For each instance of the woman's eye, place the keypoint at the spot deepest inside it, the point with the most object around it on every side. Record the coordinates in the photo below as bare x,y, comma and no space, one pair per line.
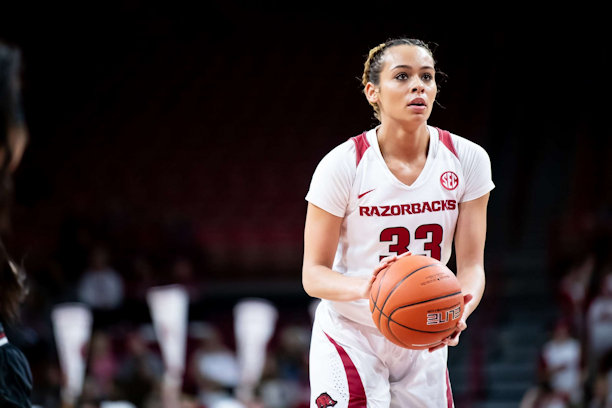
427,77
401,77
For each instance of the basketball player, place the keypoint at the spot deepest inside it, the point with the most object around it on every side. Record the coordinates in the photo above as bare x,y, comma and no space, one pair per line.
15,374
401,188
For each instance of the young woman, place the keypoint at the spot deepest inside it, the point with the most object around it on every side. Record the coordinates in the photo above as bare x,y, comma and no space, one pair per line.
15,375
438,185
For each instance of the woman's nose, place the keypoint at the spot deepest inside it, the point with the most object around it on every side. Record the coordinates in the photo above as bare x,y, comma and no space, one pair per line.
417,86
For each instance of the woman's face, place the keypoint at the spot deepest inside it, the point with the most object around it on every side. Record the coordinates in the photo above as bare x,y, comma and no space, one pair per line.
407,88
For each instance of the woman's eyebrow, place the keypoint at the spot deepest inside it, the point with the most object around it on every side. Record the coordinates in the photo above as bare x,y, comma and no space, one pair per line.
410,67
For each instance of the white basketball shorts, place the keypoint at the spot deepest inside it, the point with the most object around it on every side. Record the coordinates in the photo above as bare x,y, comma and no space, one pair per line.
354,366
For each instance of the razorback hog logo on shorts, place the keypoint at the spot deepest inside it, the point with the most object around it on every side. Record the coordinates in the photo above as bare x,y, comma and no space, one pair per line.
324,401
449,180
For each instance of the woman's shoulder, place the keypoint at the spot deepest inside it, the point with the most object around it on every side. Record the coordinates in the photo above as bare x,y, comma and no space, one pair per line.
345,151
462,146
352,148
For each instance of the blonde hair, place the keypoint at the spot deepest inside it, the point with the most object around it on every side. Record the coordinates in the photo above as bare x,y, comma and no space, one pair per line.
373,64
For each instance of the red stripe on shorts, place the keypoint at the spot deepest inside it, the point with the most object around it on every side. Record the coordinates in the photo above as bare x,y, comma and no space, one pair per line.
357,396
449,392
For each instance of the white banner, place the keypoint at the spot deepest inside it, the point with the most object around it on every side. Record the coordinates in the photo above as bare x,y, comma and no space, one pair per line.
169,307
116,404
254,324
72,328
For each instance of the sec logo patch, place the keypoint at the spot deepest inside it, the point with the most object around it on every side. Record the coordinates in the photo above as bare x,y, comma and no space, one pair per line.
449,180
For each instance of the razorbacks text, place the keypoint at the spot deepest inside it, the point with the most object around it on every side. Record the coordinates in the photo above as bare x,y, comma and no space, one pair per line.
410,208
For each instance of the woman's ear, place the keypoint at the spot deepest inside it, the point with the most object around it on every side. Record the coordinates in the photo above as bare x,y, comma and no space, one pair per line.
371,93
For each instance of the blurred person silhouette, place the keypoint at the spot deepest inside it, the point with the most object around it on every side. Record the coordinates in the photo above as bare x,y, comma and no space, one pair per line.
213,366
101,287
573,291
140,370
562,363
182,271
141,277
543,396
602,391
284,382
102,365
292,353
48,390
599,324
15,372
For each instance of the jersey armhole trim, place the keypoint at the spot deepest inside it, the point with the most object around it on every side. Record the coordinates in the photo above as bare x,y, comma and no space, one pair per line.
361,144
447,140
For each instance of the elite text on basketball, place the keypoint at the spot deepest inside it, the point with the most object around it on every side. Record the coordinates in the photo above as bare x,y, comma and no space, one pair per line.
443,317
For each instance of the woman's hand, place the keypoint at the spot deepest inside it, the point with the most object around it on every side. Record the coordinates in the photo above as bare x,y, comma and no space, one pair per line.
383,264
453,339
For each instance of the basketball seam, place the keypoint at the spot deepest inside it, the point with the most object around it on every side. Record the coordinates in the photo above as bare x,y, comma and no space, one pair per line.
395,337
378,295
425,301
390,319
417,330
380,277
380,313
397,285
379,284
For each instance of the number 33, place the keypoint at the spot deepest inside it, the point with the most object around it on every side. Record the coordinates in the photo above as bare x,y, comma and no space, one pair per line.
400,239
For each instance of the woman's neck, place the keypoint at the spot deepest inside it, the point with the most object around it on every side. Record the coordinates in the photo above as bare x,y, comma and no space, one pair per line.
402,143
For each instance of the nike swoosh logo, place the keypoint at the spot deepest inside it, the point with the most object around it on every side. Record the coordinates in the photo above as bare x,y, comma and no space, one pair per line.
362,194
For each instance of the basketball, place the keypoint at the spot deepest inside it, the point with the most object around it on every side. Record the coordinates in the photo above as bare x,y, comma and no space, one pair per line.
416,302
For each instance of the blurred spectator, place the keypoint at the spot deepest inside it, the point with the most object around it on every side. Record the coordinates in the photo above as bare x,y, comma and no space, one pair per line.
292,353
140,371
101,286
47,391
102,365
543,396
183,273
285,382
599,323
602,391
561,359
573,291
213,365
140,279
116,404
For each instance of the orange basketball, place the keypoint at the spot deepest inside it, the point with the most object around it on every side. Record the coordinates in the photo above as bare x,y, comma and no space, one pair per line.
416,302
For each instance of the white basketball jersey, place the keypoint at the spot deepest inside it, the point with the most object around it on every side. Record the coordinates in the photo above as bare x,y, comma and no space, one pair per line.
383,216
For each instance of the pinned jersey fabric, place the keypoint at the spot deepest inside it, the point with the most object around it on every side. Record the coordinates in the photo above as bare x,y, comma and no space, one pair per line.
15,375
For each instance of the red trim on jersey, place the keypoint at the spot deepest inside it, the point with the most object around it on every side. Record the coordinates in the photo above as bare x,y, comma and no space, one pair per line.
361,144
357,396
447,141
449,392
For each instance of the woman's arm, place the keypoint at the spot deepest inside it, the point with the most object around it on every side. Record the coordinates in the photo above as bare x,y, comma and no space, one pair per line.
470,236
321,234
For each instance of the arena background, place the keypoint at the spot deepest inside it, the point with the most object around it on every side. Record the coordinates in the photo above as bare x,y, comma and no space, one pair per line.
169,132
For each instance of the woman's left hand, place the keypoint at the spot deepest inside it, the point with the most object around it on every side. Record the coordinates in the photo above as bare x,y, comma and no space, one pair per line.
453,339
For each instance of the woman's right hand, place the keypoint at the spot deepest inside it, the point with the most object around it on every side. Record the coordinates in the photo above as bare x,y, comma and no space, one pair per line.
383,264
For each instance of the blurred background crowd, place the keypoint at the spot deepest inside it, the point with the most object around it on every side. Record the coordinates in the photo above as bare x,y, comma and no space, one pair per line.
175,146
